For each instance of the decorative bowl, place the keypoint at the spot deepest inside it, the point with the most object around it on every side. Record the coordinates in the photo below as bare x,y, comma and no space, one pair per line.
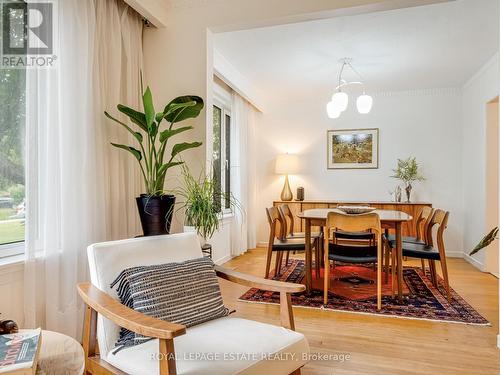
356,210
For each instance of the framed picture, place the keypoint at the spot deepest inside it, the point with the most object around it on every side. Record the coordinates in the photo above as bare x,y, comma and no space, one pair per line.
352,149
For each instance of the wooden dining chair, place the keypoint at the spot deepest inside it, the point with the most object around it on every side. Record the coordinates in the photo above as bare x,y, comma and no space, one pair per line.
280,244
421,225
428,250
350,253
288,231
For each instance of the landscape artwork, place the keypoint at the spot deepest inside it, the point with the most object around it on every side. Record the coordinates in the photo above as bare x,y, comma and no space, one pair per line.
351,149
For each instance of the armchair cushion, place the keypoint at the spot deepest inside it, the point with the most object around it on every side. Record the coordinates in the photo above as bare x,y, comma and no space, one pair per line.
186,293
223,346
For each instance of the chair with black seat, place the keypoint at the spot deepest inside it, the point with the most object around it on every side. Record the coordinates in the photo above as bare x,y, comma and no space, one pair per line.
421,225
288,232
349,253
278,243
429,251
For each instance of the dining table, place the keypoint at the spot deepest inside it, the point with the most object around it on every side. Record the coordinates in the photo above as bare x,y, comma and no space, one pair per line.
389,219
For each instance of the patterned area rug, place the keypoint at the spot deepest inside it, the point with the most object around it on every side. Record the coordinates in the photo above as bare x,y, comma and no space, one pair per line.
353,289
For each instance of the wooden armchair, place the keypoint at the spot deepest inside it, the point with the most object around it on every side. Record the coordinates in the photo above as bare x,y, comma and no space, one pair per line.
105,314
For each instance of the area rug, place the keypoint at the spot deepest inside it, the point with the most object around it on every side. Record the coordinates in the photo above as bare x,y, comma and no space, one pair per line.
353,289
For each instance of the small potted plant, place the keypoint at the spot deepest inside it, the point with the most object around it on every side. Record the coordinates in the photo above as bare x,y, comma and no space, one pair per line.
407,171
201,204
155,207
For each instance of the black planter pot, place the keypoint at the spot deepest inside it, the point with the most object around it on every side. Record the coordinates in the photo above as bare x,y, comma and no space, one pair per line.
156,213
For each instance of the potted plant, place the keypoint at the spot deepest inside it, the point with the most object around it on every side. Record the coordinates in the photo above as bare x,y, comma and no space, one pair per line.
201,203
407,171
155,207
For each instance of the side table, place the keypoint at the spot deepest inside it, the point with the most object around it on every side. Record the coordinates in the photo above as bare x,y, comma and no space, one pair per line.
60,354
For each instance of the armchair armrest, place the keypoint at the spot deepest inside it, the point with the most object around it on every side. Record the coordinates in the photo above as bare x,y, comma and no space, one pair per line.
125,317
284,289
258,282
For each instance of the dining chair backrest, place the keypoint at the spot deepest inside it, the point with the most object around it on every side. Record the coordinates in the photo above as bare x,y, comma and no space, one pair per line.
439,219
423,220
274,218
287,217
354,223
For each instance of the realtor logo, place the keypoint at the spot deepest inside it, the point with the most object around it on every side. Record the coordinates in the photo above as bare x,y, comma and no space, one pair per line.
28,34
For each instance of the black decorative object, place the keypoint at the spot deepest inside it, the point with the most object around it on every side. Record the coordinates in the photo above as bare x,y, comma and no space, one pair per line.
156,213
7,327
300,194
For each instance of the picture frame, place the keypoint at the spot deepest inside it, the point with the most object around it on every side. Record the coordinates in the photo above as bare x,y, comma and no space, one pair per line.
353,148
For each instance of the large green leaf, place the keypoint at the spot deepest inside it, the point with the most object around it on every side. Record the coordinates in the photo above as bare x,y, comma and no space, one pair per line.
130,149
165,167
149,109
182,108
136,117
179,147
166,134
137,135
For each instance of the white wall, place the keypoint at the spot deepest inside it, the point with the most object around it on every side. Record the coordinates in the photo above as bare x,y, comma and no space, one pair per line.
481,88
425,124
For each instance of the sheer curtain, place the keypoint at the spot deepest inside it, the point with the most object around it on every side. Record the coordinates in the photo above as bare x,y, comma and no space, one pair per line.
243,179
79,190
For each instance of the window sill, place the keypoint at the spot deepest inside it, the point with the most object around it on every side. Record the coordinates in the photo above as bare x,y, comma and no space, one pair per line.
11,263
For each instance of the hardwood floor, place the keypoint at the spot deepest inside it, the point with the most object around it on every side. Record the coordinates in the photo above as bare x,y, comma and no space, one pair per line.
386,345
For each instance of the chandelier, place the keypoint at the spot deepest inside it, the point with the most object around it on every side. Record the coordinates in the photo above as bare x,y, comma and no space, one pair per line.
340,99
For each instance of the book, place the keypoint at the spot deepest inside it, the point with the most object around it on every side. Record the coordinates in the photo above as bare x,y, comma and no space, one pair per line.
19,352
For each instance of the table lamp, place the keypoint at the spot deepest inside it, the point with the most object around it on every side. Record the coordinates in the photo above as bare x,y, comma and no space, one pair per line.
286,164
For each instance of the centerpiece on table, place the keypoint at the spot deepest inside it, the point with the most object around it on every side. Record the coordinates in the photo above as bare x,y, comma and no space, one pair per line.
155,207
407,171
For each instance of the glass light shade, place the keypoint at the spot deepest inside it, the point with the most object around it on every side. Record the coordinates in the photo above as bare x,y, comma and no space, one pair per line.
287,164
340,100
364,103
332,110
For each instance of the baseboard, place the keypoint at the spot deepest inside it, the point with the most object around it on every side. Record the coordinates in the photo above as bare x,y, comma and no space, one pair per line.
454,254
224,259
498,341
474,262
262,244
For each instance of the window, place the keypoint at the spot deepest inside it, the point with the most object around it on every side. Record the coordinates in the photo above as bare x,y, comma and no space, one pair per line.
221,158
12,139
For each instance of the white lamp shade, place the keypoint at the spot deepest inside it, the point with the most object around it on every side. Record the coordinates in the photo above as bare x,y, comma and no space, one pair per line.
287,164
332,110
364,103
340,100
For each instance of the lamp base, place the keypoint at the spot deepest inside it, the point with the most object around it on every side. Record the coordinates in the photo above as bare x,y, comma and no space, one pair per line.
286,193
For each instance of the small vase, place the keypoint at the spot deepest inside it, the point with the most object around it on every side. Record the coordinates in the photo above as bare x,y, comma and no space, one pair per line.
408,192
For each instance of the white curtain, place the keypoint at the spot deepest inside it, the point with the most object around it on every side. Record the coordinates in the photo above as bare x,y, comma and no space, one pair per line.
243,179
79,189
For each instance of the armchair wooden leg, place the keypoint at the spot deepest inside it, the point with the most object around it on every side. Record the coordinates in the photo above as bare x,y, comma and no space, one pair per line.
423,265
89,335
286,312
167,357
379,276
287,258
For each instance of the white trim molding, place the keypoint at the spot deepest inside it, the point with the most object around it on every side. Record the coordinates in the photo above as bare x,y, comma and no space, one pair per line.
155,11
227,73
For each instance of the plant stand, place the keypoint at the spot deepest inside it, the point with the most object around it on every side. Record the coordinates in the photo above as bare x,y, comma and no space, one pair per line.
206,249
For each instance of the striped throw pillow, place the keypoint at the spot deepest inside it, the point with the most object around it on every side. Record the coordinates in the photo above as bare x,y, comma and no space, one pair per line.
185,293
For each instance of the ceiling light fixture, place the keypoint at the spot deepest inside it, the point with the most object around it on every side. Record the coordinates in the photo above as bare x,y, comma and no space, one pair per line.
340,99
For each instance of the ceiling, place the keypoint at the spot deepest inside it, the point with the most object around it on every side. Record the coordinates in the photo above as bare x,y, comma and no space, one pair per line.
434,46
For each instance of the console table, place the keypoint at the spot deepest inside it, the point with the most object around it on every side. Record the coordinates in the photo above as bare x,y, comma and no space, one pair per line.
411,208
